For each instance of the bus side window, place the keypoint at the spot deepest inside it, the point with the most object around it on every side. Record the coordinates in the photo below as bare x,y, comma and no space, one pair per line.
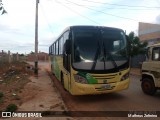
66,59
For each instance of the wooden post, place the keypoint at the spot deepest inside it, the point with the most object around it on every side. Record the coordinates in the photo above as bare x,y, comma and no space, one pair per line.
36,39
2,57
17,57
9,56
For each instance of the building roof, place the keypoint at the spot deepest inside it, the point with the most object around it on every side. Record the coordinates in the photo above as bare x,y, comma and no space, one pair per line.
154,45
148,31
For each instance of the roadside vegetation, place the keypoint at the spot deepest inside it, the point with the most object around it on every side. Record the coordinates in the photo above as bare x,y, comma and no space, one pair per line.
13,78
136,46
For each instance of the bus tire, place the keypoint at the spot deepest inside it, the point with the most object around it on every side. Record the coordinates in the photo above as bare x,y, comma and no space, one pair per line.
148,86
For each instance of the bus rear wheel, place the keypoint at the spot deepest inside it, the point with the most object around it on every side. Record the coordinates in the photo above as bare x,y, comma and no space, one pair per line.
148,86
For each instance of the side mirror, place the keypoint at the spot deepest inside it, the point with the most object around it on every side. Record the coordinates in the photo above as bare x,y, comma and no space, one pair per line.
68,46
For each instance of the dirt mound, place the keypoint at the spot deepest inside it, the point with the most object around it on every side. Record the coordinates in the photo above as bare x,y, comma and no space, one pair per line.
13,77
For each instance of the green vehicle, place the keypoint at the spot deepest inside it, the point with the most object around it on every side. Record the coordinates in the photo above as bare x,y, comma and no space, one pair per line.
150,73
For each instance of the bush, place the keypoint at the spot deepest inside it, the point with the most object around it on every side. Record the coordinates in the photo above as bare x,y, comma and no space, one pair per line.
1,94
11,108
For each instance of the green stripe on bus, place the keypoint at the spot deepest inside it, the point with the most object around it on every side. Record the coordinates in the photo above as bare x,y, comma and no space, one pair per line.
57,69
88,77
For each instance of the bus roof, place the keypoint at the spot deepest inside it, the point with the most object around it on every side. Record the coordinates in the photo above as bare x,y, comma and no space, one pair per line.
154,45
90,27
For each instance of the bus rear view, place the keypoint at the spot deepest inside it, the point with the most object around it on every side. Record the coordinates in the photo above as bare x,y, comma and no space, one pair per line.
95,60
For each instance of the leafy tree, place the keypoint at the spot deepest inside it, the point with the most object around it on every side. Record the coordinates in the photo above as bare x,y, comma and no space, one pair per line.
2,8
31,53
136,46
21,55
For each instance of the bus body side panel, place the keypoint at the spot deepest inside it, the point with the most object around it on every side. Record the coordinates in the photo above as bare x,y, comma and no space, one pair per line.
66,77
57,66
59,69
99,88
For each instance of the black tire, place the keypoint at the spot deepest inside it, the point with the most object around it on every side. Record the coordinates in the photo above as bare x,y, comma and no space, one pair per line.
148,86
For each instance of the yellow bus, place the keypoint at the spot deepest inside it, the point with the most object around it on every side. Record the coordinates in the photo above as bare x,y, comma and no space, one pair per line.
91,59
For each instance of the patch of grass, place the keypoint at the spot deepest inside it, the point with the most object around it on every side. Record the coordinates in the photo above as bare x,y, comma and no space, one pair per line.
1,100
1,97
1,94
11,108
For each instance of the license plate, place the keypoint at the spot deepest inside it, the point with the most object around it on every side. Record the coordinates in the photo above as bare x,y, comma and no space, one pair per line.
106,86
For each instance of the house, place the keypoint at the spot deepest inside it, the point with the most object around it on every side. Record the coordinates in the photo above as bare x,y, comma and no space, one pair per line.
146,32
42,56
149,32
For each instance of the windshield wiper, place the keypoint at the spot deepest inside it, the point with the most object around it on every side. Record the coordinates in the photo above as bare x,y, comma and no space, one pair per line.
104,55
112,60
96,57
110,56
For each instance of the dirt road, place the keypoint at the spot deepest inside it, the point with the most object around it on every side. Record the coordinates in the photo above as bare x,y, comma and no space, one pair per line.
45,95
132,99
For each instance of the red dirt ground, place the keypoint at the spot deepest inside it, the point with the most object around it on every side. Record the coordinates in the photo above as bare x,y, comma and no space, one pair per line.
13,77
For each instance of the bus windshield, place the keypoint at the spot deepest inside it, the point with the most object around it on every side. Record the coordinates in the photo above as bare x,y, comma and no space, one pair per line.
99,49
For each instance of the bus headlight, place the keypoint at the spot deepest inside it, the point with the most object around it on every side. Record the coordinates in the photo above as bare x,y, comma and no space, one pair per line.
125,76
80,79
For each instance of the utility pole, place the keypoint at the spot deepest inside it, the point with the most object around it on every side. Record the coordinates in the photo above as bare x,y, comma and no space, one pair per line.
36,39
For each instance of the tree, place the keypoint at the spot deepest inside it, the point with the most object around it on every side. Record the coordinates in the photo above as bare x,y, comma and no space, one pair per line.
22,55
32,53
2,8
136,46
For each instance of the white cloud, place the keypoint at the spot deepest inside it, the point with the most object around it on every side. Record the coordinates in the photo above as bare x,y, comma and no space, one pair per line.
17,28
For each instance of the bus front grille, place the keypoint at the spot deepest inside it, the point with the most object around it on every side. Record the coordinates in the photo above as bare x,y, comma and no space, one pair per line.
103,79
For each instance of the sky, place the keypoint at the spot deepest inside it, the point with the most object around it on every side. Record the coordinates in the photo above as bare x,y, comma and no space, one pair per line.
17,27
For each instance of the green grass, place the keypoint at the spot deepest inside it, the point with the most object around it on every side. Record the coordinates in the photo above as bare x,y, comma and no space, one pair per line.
1,94
1,100
11,108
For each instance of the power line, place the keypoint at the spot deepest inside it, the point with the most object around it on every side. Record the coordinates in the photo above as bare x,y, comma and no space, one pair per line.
119,4
103,12
148,9
46,19
77,12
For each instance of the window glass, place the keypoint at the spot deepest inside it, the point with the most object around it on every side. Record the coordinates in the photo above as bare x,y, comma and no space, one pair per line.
61,45
95,49
115,44
86,45
56,48
49,50
148,53
156,54
66,36
52,49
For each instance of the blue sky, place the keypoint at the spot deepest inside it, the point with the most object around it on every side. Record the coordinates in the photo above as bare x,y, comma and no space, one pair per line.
17,28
